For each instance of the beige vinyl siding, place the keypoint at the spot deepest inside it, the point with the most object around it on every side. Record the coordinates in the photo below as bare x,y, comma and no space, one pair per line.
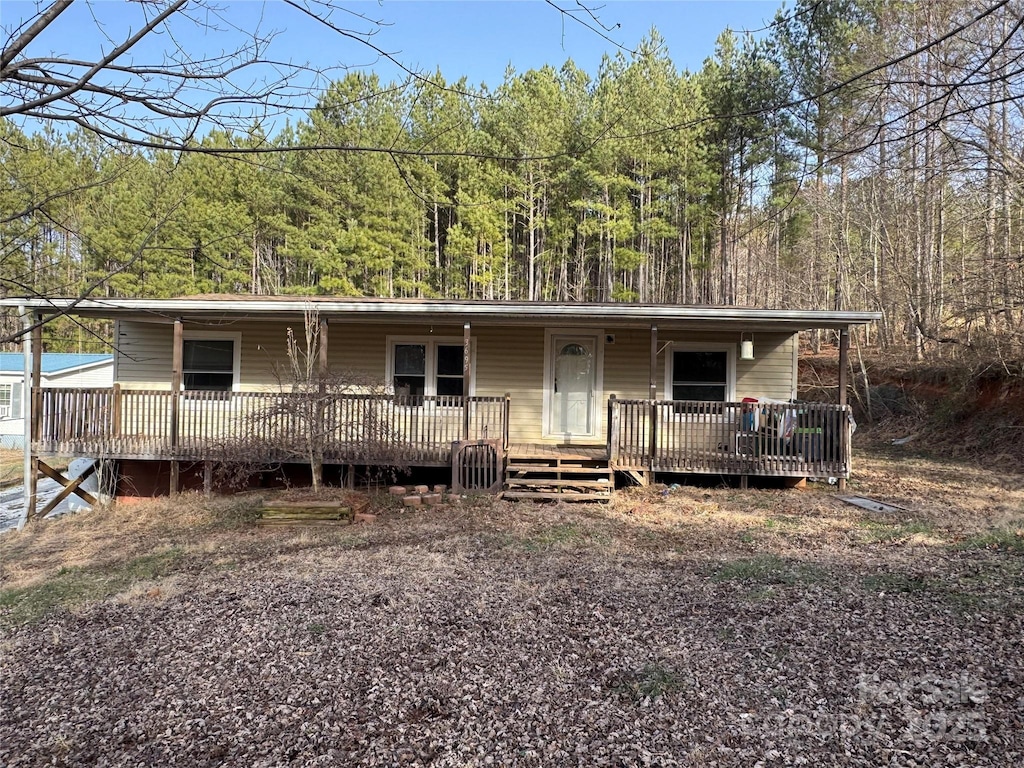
356,349
507,359
771,373
627,365
144,355
512,360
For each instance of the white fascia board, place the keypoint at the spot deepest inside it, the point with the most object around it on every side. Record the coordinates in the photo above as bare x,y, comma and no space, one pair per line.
607,314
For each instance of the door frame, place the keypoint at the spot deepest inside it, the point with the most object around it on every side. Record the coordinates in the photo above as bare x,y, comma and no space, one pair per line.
596,336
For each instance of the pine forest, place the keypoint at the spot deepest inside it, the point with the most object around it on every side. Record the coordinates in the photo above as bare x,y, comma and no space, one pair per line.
857,155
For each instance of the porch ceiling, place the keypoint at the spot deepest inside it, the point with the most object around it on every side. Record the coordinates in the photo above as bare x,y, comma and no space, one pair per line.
281,308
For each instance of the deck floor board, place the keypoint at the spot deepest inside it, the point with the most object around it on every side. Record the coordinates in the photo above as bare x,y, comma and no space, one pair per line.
518,451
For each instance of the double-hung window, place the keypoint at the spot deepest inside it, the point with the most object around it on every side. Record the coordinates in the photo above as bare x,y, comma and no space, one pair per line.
8,401
209,364
425,368
700,373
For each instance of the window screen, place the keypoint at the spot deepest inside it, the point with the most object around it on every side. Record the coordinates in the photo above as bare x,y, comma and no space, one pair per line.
449,369
209,364
410,370
700,375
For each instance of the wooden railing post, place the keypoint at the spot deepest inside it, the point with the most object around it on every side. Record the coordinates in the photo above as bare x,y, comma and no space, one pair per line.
115,411
507,408
613,429
844,431
466,370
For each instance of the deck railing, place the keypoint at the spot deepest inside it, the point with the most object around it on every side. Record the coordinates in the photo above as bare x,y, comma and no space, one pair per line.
262,426
778,439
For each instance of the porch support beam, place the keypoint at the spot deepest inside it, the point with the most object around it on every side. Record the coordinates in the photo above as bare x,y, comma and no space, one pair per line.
844,366
35,397
653,384
653,394
467,348
31,371
323,354
177,367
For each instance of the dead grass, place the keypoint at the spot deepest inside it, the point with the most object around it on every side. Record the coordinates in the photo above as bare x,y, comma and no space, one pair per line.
106,537
11,466
949,506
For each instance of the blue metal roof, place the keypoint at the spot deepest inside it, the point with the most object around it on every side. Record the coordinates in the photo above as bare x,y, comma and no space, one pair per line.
14,362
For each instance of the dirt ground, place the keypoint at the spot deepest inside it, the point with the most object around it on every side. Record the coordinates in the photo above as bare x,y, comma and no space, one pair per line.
674,626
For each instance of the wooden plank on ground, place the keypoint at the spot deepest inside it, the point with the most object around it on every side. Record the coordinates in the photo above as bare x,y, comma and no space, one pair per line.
305,513
872,505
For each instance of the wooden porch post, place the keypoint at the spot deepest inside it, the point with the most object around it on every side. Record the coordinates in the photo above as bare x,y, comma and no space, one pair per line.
466,369
177,365
653,388
323,355
34,397
653,394
844,365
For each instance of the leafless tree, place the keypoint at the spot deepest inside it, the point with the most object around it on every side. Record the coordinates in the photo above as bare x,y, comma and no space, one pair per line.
316,415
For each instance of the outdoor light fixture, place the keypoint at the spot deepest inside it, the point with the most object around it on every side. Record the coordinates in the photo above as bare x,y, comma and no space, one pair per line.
746,346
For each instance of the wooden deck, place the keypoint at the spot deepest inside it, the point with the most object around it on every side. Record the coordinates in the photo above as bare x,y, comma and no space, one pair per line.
743,439
644,437
547,451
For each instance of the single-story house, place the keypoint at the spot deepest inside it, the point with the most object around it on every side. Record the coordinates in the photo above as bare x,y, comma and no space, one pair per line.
56,370
537,399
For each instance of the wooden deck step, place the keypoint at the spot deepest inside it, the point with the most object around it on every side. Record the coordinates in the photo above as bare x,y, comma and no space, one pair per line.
538,482
563,469
555,496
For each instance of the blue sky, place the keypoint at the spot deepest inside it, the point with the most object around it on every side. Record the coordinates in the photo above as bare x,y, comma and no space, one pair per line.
475,38
479,38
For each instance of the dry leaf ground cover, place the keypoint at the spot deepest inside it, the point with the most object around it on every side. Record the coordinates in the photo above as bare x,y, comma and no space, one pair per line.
697,627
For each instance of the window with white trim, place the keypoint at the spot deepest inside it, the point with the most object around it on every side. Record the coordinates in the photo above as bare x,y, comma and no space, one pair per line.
7,401
208,364
699,373
425,368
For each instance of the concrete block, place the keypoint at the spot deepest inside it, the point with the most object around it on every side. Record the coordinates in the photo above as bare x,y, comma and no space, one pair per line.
412,501
398,490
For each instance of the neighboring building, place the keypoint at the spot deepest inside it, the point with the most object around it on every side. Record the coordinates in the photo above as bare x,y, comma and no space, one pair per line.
58,370
562,397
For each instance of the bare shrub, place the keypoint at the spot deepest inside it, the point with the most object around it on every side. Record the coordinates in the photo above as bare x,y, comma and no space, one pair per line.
317,416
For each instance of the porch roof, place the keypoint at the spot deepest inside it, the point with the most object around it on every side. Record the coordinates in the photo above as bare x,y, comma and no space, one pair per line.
288,308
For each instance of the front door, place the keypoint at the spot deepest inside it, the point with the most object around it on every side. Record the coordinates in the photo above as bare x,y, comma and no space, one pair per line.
573,386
